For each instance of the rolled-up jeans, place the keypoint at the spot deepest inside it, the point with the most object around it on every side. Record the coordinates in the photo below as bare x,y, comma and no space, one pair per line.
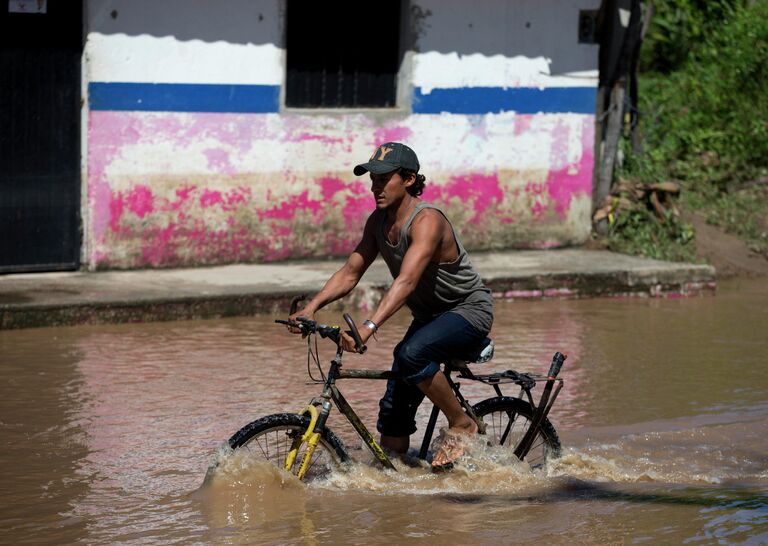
416,358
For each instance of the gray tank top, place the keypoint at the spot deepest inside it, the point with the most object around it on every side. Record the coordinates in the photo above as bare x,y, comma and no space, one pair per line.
443,287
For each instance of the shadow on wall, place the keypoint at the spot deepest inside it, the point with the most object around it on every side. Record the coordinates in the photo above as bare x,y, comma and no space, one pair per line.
529,28
236,22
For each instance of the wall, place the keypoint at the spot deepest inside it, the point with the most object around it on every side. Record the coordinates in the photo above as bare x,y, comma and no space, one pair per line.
192,160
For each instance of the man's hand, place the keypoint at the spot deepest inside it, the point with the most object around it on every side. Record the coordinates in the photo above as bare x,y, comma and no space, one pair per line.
348,344
304,313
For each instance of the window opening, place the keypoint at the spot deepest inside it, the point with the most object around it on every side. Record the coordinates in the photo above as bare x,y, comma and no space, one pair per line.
342,54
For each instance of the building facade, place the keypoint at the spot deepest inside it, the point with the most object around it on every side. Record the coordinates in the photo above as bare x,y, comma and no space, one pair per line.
217,132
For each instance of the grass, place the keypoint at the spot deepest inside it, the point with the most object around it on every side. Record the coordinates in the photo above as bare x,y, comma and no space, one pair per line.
704,120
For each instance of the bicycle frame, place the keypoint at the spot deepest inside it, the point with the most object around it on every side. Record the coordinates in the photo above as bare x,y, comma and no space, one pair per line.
331,393
319,418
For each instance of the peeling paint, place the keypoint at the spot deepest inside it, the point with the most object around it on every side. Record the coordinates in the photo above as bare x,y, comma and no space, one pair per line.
218,160
481,192
173,189
392,134
139,200
564,183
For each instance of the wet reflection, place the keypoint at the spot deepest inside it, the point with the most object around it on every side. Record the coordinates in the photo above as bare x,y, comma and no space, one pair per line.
108,432
44,436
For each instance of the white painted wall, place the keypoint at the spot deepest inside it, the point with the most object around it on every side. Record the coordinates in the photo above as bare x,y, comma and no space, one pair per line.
148,59
444,142
537,166
485,43
502,42
178,41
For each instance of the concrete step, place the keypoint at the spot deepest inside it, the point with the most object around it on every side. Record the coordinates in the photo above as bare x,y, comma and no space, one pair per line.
71,298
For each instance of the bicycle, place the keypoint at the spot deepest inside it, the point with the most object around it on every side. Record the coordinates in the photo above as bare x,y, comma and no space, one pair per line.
291,440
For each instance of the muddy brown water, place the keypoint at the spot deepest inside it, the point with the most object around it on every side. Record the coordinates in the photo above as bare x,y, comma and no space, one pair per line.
108,431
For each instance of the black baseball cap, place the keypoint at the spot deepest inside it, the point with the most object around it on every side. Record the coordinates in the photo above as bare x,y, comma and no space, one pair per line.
389,157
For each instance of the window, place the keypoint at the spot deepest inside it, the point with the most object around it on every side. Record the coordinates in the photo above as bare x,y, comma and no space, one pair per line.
342,54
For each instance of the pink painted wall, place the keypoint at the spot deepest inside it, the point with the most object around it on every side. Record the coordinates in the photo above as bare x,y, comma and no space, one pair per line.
183,189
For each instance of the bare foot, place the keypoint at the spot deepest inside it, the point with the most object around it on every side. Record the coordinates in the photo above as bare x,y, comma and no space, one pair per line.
451,445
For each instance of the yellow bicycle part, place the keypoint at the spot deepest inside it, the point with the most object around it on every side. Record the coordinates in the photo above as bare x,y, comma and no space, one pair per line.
310,437
305,461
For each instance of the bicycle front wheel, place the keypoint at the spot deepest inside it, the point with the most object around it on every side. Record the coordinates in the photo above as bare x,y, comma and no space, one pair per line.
270,439
507,420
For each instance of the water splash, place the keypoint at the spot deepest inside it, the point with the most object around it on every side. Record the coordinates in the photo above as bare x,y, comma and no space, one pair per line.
231,469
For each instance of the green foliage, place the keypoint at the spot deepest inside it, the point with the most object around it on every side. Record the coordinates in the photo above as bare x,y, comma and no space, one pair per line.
709,120
678,26
704,114
640,233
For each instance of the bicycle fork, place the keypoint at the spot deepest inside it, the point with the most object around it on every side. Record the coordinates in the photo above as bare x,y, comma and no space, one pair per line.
310,437
317,420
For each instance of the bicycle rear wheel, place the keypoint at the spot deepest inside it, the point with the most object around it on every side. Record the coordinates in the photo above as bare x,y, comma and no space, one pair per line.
270,439
507,420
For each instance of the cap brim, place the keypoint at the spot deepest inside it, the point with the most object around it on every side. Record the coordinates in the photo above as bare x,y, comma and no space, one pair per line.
376,167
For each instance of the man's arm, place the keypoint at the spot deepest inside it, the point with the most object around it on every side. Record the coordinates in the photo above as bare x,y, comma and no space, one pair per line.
345,279
426,236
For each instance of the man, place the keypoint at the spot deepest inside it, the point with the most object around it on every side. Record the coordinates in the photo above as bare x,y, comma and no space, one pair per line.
452,309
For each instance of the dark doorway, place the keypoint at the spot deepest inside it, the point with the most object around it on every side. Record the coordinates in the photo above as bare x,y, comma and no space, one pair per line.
40,56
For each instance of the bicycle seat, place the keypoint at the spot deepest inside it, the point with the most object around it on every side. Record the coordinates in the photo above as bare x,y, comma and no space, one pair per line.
478,355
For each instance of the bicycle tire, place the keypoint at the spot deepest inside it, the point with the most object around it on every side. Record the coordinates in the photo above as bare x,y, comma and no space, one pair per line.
269,438
496,413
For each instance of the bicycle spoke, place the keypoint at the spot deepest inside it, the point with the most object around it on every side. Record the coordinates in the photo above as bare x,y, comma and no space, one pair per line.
269,443
507,426
311,464
534,449
258,443
273,438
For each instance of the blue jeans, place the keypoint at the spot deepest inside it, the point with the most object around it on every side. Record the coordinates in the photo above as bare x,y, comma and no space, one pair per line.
418,357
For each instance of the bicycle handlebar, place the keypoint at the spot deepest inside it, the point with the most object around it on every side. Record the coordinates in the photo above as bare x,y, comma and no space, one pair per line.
308,326
355,334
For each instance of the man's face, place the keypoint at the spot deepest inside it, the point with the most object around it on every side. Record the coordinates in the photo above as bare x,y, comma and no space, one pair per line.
388,189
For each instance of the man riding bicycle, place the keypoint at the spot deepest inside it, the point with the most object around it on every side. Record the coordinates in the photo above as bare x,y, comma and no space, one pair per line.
452,309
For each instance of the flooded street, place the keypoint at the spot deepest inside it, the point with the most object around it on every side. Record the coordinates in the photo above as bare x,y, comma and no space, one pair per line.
108,431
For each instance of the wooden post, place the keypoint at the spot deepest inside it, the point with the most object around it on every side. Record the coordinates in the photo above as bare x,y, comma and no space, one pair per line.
598,146
609,149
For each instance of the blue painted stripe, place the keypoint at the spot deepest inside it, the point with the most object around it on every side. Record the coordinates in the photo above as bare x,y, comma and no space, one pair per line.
523,100
183,97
